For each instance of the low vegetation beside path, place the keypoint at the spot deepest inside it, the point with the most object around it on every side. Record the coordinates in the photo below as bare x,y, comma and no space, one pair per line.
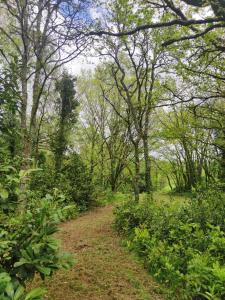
181,242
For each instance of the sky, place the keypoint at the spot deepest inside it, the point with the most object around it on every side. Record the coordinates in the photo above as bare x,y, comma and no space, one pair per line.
86,62
82,63
89,62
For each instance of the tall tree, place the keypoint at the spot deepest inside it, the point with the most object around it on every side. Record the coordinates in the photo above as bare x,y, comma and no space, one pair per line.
39,33
104,129
137,62
67,104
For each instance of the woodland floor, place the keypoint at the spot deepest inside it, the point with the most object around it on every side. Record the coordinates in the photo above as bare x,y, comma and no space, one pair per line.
103,269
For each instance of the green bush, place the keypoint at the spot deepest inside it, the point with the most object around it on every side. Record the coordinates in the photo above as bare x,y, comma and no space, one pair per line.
28,248
57,205
73,181
9,181
11,289
128,216
183,246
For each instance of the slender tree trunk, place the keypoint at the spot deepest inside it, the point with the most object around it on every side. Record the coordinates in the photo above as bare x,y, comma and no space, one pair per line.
25,134
91,171
148,179
25,138
60,148
169,182
36,146
102,166
23,77
112,175
137,173
24,96
36,98
37,77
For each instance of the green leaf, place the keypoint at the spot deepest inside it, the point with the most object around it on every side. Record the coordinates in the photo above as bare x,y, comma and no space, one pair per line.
35,294
10,290
4,281
44,270
21,262
4,193
19,292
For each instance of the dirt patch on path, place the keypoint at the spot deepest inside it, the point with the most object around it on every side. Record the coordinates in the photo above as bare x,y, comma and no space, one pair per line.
104,270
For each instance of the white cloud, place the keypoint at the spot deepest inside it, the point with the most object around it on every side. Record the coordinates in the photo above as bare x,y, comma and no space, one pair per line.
82,63
95,13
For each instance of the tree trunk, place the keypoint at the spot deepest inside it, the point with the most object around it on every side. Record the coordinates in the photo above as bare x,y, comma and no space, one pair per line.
24,97
112,175
137,173
37,77
36,98
148,180
169,182
25,135
91,171
60,148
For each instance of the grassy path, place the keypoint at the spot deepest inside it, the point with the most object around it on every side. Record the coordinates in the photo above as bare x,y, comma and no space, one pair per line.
104,270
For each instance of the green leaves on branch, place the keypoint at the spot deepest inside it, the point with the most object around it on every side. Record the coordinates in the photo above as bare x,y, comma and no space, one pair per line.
28,248
12,290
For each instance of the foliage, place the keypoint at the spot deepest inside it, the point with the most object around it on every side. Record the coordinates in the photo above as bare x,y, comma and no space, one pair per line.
151,117
72,183
108,197
75,181
66,106
9,187
9,107
28,248
182,245
11,289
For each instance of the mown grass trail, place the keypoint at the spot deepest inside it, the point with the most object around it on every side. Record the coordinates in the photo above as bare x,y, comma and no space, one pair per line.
104,270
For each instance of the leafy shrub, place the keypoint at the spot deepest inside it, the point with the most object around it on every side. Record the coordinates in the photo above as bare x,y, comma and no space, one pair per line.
128,216
183,246
57,206
27,247
9,180
43,181
208,206
72,181
11,289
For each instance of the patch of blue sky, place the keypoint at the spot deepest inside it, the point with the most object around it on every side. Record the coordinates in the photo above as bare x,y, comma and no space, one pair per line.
77,8
86,11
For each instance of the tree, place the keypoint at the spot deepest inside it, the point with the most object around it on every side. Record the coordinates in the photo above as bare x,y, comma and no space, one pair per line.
67,104
177,17
107,136
135,63
189,149
39,34
9,109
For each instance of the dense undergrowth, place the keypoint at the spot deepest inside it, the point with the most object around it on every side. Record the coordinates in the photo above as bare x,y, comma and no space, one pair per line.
181,243
28,248
28,222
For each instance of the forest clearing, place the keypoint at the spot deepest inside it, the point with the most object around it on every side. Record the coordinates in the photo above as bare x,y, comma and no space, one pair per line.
112,149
